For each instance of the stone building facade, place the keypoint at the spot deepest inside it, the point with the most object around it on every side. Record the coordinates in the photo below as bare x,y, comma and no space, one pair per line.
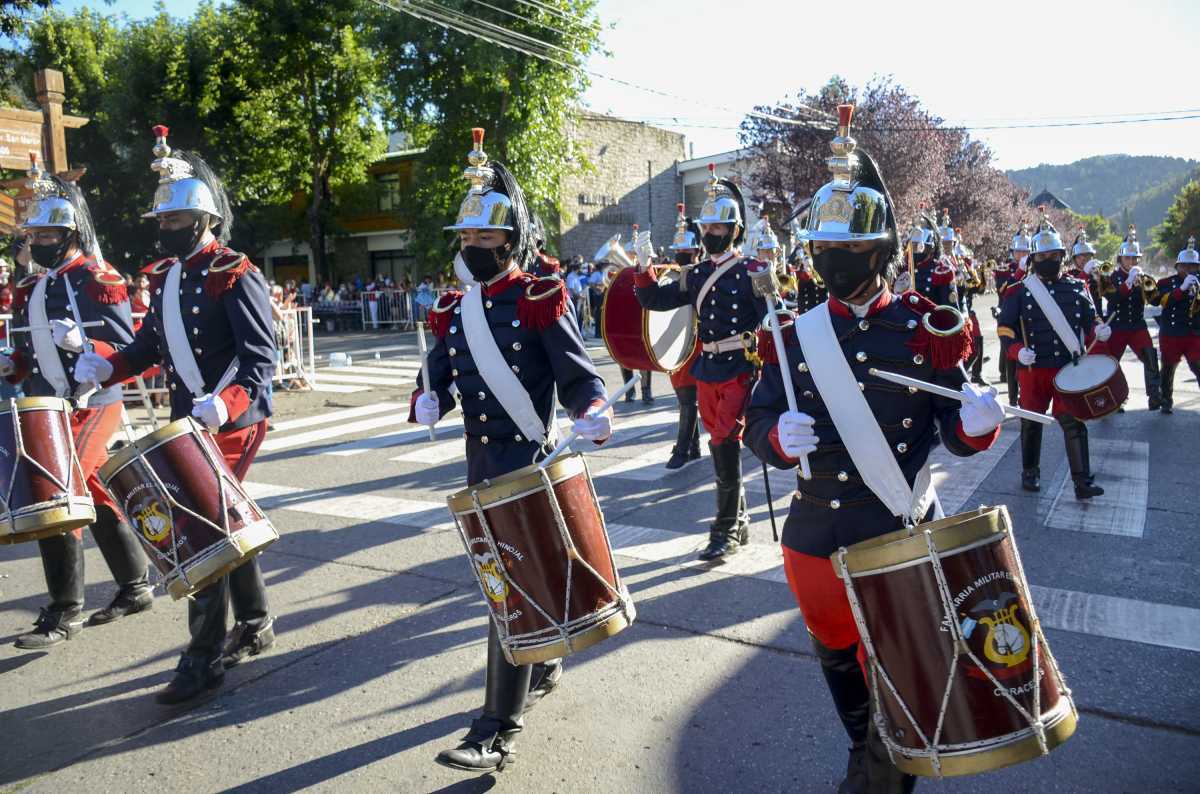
630,177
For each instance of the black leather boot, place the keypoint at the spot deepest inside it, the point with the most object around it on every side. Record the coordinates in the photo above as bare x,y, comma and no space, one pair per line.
1014,389
687,439
852,700
977,362
488,745
1168,389
1031,455
1075,434
253,630
1149,357
647,395
62,563
882,775
626,374
543,680
208,613
123,553
194,675
731,527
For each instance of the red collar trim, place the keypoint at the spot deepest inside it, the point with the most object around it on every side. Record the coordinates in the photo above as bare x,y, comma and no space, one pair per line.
839,309
81,259
504,282
201,256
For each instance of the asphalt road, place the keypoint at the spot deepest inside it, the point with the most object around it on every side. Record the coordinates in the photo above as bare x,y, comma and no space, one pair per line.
381,625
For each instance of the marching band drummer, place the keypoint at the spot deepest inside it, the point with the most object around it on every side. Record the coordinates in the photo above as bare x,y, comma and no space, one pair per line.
1128,290
934,274
63,242
868,441
1006,278
1084,265
1179,330
1031,316
720,291
507,345
210,325
685,248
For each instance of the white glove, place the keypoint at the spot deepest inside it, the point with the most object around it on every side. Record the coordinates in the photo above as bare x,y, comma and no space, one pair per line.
1103,332
92,368
1189,282
593,425
67,335
980,413
1026,356
427,411
1090,266
796,436
1134,273
7,365
211,411
644,249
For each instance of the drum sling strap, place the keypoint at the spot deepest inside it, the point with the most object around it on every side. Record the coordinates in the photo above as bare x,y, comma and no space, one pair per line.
711,281
178,345
856,423
1054,313
43,340
497,374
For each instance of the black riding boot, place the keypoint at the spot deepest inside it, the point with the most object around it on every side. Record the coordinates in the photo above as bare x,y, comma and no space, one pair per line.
1149,357
200,668
647,396
1031,455
852,700
626,374
1002,364
253,628
1168,389
123,553
543,680
687,440
731,527
977,362
1014,388
488,745
882,775
62,563
1075,434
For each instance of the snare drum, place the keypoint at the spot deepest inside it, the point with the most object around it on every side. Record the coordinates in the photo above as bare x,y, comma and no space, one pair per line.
42,487
1091,387
639,339
538,546
191,513
958,667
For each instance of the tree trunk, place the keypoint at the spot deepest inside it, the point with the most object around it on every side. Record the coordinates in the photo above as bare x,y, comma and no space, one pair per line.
316,224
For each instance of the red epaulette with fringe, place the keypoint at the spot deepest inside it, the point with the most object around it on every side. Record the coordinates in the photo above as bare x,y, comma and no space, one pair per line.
944,276
1010,289
23,290
944,352
224,271
157,272
544,301
106,285
442,312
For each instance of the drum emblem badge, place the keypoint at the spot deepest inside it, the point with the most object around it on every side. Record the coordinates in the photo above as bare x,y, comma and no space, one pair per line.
493,582
1007,641
152,520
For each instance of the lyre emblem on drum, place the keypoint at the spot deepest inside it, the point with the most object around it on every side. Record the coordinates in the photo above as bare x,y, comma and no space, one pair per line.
152,521
493,582
1007,641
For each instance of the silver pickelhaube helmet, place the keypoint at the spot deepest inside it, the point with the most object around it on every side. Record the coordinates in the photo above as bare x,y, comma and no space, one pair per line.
1046,238
631,243
179,186
1130,246
1082,246
484,207
948,232
1020,240
59,204
724,202
1189,255
764,235
686,238
847,208
921,233
961,249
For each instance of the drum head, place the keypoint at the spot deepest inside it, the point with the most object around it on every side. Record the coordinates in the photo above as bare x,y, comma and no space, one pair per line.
1086,373
671,335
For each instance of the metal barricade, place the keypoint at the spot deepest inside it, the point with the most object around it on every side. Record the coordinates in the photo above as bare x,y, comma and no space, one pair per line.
296,358
387,308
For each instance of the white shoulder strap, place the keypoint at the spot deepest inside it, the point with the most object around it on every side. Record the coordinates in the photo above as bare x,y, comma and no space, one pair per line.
712,279
44,348
1054,313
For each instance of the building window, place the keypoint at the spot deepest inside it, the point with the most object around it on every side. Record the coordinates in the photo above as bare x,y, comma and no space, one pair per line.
388,186
397,264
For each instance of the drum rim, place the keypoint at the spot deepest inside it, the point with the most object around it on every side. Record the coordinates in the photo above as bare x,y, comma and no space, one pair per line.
35,404
514,483
1094,386
647,348
126,455
901,548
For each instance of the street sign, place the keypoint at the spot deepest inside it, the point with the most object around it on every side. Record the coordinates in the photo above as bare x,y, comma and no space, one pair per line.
17,139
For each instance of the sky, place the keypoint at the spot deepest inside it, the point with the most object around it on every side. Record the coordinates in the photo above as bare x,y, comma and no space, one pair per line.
973,63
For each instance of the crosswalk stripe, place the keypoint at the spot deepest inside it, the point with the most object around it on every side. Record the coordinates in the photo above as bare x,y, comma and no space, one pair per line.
445,428
393,363
1123,466
336,416
338,388
386,372
334,375
326,433
360,507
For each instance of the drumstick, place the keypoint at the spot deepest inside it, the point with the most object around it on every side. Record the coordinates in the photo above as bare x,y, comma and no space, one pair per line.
81,399
1096,339
425,369
785,373
571,436
942,391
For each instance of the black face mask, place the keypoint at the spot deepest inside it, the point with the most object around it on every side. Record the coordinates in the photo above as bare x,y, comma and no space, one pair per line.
484,263
180,242
49,256
717,243
683,258
1048,269
844,271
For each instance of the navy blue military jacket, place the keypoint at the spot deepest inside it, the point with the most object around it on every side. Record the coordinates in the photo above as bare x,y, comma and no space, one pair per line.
938,287
808,294
99,293
730,308
835,508
226,311
540,342
1128,303
1176,304
1008,273
1021,320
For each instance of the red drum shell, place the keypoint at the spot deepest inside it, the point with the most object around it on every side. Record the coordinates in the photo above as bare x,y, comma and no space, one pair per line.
1092,387
38,506
902,609
190,553
639,339
518,512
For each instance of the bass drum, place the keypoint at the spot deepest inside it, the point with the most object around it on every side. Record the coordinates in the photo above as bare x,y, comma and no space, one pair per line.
639,339
1091,387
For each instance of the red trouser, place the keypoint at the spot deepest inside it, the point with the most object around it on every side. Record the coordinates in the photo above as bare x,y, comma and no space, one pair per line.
1176,347
1136,340
92,429
239,447
683,377
822,599
1037,389
723,407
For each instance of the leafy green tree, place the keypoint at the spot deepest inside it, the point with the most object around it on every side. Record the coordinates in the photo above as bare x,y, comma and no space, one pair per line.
14,13
1182,221
1099,232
